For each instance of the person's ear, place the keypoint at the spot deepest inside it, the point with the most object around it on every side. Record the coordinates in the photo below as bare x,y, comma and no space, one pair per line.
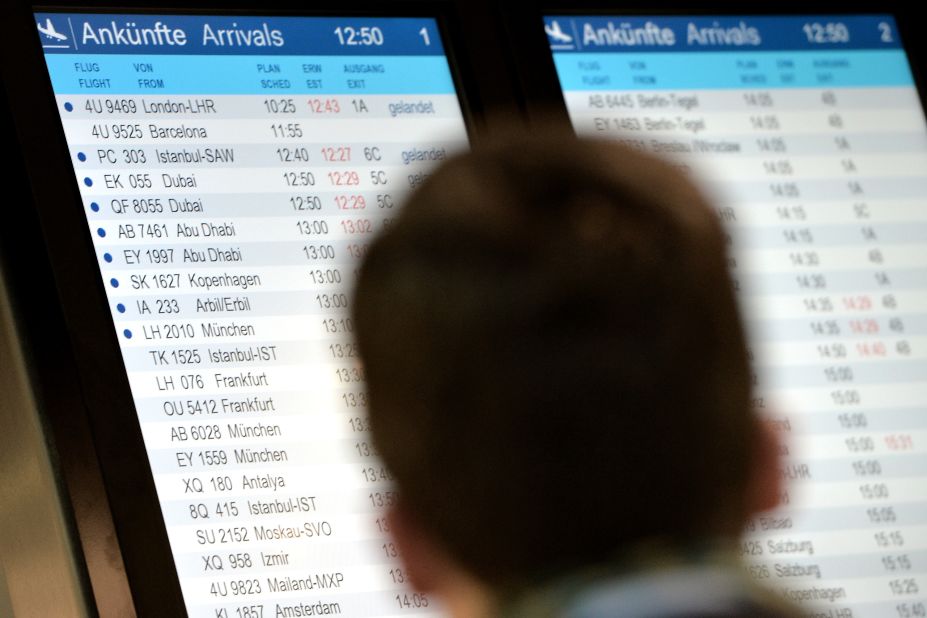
428,568
766,484
422,560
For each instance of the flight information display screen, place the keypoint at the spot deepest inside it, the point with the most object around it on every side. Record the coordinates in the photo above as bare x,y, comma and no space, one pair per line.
232,170
808,133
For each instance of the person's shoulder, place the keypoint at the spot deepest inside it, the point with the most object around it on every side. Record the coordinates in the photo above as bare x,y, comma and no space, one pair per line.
705,590
691,592
761,606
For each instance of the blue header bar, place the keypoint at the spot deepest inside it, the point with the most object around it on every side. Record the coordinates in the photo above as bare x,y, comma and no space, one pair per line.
85,33
720,33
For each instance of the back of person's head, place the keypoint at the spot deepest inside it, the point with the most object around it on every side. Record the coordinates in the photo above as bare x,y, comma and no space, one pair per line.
555,360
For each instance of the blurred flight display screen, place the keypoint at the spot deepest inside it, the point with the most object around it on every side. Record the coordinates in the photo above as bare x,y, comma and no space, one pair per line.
809,135
232,171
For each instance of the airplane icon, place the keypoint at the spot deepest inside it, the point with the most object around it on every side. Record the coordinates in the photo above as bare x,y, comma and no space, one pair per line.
50,32
555,33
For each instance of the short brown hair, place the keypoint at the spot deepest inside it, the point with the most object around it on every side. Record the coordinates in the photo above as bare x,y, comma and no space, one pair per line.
555,360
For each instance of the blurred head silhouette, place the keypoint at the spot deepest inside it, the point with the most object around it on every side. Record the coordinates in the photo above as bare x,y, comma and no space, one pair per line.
556,366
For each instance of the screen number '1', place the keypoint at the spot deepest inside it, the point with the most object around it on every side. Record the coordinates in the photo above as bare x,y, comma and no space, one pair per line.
424,33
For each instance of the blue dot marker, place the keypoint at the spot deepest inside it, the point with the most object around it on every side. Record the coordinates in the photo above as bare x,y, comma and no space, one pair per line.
101,232
94,207
81,156
127,333
69,107
88,182
121,308
114,282
107,257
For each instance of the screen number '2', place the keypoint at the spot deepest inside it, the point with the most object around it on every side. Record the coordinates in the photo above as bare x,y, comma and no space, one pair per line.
886,31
